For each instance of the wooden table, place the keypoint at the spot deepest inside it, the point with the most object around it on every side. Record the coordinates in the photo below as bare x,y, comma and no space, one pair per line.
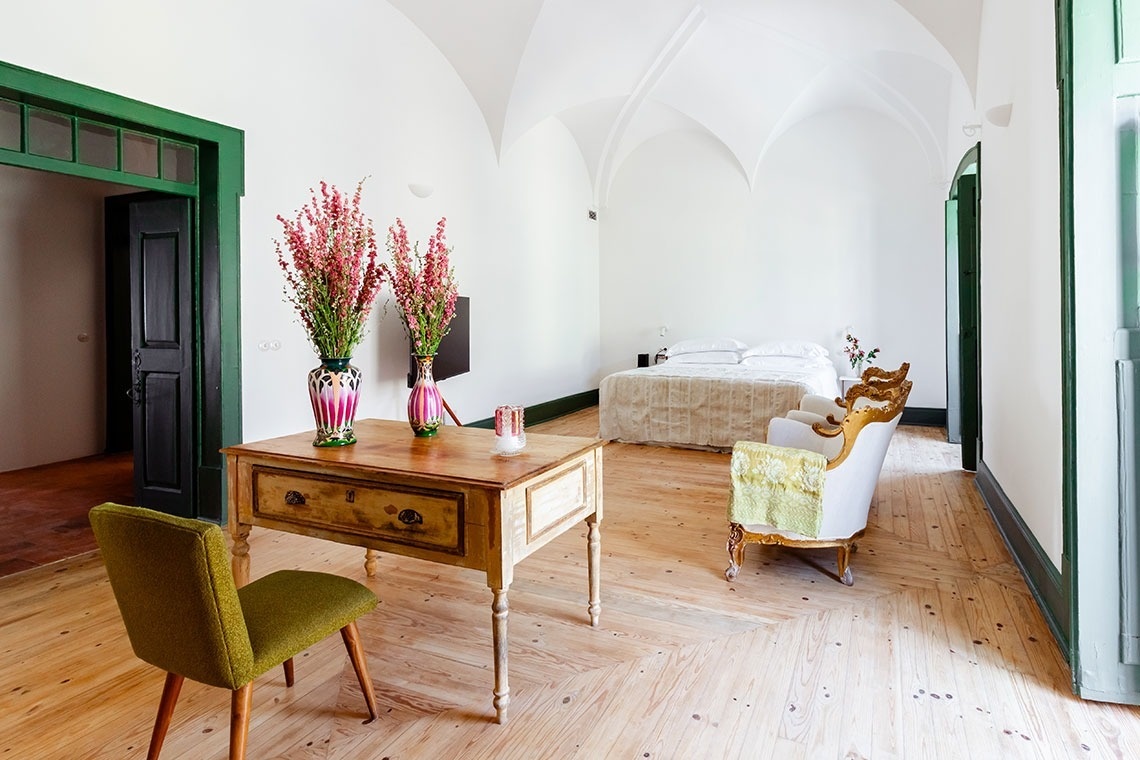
446,499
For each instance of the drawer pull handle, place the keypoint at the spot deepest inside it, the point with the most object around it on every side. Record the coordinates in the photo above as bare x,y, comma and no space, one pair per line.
410,517
294,497
350,495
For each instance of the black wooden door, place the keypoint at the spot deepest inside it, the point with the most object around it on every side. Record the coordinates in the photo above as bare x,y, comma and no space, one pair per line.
162,333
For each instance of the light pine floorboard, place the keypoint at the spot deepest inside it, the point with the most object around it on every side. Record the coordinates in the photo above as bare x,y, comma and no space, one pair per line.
937,651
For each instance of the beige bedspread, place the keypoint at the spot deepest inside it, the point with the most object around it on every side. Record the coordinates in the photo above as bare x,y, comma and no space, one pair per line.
696,405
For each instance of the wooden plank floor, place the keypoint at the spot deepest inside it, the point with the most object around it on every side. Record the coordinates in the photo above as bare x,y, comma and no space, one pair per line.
937,651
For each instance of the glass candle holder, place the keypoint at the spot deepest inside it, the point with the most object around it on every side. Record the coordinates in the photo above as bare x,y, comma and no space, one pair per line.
510,438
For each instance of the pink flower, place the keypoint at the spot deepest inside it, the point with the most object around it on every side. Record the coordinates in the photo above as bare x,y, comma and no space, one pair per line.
331,274
423,286
855,354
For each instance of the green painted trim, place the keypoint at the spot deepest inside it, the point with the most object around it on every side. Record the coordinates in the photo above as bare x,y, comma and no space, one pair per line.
968,165
76,169
222,185
231,187
923,416
36,89
1064,24
73,164
549,410
1118,31
1040,575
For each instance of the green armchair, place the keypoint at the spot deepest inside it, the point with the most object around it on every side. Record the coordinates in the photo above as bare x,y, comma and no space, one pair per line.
183,613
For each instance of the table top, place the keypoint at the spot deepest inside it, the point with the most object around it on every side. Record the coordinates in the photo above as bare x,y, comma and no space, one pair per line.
460,454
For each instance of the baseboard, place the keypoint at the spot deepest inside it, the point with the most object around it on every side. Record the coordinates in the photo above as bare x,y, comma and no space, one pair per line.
1041,576
924,416
549,410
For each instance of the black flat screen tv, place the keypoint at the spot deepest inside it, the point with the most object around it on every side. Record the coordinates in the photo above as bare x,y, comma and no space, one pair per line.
454,355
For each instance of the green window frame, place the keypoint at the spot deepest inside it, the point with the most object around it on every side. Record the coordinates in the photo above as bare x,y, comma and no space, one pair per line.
175,163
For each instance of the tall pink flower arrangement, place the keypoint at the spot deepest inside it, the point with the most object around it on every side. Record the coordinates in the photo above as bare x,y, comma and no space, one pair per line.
331,273
423,285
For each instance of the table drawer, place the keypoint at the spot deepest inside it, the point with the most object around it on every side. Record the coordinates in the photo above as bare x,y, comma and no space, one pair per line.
405,515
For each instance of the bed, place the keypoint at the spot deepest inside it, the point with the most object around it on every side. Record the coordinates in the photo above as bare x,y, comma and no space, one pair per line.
711,399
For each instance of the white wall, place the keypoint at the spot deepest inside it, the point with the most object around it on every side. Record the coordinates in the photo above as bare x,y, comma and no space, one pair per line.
844,227
338,95
1020,278
52,384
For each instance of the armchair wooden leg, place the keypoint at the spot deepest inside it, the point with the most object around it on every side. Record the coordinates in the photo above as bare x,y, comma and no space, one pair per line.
288,665
351,637
735,551
844,560
240,704
170,691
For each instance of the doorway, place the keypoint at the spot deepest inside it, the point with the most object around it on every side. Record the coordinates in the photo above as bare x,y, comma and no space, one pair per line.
52,306
963,309
57,126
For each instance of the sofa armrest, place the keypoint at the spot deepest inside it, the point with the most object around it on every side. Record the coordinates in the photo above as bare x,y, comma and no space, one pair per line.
798,435
821,405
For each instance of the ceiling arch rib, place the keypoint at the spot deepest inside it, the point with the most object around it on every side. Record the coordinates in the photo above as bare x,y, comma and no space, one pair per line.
486,62
837,88
742,70
581,51
736,80
633,104
957,27
590,125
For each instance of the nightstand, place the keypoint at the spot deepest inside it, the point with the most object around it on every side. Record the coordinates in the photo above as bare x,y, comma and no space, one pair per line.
846,382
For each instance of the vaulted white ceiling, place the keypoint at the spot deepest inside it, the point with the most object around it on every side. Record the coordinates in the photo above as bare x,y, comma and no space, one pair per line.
619,72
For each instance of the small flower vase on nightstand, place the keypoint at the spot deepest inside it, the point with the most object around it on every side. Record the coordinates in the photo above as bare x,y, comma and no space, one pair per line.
425,404
334,390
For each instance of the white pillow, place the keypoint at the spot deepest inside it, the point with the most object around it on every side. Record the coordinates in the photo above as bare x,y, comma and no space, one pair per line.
707,357
787,348
700,345
785,362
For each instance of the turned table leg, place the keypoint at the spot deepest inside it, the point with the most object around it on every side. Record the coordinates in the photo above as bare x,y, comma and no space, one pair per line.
499,611
240,551
594,558
370,556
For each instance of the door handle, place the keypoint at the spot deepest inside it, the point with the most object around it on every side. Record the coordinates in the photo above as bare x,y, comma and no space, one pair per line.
135,391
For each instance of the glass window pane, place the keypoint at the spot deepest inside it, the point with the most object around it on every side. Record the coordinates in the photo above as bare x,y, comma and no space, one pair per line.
140,154
178,162
98,145
49,134
10,127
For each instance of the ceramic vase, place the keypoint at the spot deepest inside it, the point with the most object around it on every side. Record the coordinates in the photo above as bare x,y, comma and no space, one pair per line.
334,390
425,404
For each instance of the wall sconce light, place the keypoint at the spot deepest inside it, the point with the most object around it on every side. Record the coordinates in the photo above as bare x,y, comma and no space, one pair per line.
999,116
662,330
420,190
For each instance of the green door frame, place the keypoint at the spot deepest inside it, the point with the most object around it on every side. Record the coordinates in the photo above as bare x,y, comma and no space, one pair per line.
217,298
1098,77
1064,30
970,164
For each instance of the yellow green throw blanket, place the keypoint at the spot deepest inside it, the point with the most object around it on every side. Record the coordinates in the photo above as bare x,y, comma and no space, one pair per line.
777,486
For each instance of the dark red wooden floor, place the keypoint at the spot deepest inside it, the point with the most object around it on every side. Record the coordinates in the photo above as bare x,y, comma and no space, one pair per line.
43,510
